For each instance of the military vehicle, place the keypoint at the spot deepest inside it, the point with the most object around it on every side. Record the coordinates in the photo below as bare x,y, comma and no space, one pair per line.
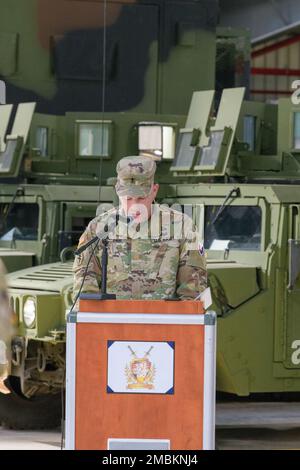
43,217
238,171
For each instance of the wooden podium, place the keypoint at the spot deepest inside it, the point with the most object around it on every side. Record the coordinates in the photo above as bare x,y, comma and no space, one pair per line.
140,375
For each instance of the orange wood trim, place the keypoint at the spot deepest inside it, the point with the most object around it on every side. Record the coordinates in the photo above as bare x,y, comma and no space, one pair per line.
141,306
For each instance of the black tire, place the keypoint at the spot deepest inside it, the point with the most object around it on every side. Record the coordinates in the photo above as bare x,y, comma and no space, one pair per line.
41,412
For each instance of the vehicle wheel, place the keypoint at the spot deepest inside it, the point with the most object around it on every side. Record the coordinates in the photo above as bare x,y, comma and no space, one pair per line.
41,412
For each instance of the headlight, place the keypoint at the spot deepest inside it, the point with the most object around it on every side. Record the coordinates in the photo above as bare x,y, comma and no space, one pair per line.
29,313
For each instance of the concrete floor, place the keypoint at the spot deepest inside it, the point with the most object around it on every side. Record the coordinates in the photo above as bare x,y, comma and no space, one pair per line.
258,426
29,440
244,426
258,439
258,414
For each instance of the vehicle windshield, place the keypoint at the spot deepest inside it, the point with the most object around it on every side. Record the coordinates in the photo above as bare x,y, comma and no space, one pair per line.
236,228
21,223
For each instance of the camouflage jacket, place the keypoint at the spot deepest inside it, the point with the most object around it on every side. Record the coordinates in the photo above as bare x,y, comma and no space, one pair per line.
144,268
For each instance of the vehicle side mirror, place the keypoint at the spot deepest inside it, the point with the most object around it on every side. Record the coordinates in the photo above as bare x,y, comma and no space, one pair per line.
294,262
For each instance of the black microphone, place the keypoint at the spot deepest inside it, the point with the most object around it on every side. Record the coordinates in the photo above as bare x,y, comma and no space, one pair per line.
106,230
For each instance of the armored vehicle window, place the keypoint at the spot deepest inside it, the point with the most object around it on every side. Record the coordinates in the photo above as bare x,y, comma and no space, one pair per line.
21,222
80,223
94,139
210,154
158,141
186,152
41,140
239,225
68,238
249,131
296,130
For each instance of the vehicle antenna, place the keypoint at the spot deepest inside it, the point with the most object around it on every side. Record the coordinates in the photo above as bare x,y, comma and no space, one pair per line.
103,95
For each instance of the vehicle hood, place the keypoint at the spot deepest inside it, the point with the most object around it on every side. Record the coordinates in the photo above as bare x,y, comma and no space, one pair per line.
54,277
16,259
232,283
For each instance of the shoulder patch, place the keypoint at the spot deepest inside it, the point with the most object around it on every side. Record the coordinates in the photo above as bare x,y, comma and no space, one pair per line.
195,260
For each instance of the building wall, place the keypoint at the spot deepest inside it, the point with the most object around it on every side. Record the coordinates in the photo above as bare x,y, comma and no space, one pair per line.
275,65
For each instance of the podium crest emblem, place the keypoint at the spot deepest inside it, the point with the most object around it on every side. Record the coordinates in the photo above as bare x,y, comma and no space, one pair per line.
140,372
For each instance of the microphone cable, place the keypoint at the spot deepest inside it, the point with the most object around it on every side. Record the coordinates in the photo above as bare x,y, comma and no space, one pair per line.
84,275
62,442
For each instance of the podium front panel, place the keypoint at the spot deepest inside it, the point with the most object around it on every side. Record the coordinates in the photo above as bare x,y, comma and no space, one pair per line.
140,380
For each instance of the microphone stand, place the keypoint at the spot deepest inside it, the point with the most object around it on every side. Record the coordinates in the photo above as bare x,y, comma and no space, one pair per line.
103,295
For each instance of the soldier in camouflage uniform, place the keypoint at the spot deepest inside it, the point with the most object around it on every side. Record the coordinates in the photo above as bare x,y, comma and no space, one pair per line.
152,258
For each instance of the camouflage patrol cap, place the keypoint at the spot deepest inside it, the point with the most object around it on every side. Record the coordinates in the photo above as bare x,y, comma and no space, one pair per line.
135,176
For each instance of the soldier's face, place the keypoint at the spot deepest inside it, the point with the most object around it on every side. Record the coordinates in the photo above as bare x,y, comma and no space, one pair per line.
139,208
